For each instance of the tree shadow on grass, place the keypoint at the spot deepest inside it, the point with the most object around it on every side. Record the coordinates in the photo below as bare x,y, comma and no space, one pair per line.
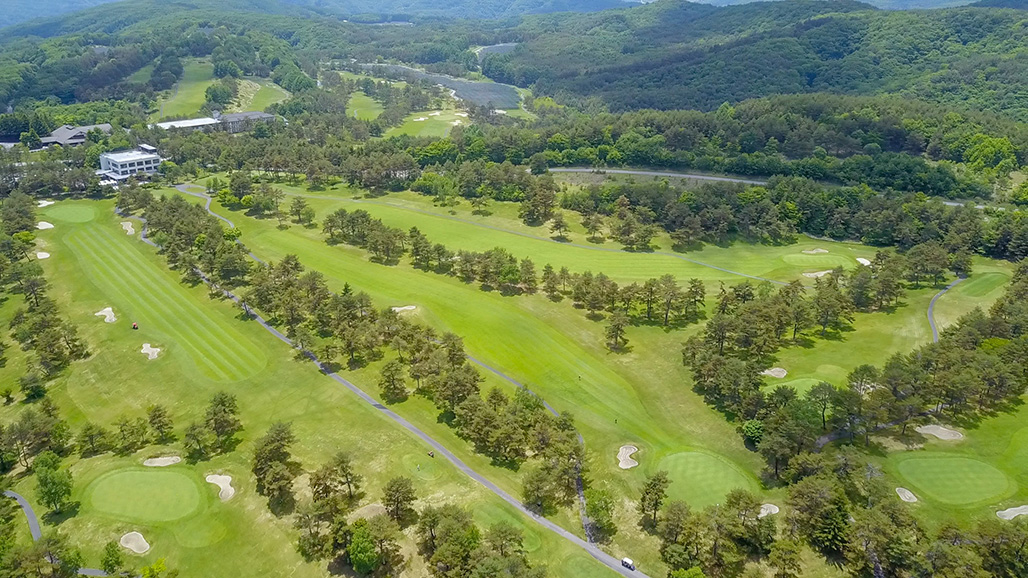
57,518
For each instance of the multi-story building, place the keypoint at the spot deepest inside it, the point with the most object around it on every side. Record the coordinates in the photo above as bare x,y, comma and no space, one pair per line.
124,164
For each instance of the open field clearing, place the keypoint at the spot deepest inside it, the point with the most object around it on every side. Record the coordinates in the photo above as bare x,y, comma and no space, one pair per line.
364,107
182,517
188,95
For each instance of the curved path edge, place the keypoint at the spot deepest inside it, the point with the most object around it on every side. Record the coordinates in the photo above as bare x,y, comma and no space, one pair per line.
590,548
931,307
37,532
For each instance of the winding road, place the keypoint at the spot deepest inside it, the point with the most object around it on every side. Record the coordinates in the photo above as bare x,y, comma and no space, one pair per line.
931,307
37,532
590,548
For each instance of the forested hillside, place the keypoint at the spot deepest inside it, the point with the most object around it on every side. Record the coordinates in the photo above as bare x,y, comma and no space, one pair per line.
16,11
673,54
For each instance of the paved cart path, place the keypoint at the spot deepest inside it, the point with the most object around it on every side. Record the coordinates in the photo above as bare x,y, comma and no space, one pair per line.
37,532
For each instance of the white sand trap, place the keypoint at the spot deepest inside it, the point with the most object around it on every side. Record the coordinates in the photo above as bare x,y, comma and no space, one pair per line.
906,495
625,460
224,483
405,308
420,119
162,462
42,204
107,313
134,541
464,114
151,352
42,255
864,262
815,251
817,274
436,113
775,372
767,510
1011,513
129,229
943,433
43,225
457,122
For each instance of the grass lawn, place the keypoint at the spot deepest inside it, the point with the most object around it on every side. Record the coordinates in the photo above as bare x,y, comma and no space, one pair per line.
953,479
434,123
141,75
189,94
206,347
364,107
257,94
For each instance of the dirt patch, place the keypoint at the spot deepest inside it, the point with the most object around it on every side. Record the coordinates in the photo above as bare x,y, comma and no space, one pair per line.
162,462
367,512
224,483
42,255
42,204
625,460
1011,513
768,510
817,274
134,541
906,495
776,372
43,225
129,229
405,308
815,251
107,313
943,433
864,262
151,352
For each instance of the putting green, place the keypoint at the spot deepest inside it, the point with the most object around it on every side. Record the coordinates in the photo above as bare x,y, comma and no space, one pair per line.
422,466
77,213
953,480
701,479
151,495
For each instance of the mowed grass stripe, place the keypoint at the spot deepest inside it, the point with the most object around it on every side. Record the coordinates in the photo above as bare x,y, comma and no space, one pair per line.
128,274
192,333
246,360
161,314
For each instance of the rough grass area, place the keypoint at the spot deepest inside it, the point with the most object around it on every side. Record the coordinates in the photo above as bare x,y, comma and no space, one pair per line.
257,94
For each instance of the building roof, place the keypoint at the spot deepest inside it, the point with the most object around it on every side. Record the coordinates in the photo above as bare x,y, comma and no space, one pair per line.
129,156
254,115
69,134
190,123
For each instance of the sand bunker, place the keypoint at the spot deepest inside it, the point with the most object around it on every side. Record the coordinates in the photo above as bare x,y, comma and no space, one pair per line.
863,261
815,251
1011,513
420,119
906,495
129,229
436,113
108,314
43,225
775,372
457,122
405,308
464,114
625,460
224,484
151,352
42,204
134,541
943,433
162,462
42,255
817,274
767,510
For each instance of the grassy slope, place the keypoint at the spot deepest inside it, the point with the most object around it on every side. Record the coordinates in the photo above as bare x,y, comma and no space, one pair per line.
100,266
364,107
656,376
188,95
430,126
259,94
